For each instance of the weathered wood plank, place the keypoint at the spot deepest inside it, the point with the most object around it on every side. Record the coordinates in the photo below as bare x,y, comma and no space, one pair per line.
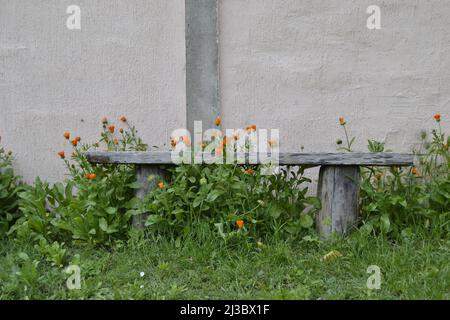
338,191
314,159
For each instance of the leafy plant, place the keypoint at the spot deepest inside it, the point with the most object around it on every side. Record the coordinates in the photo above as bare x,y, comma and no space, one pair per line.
396,200
10,187
94,205
236,200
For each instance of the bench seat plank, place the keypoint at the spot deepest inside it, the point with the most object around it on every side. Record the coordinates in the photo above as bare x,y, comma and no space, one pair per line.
313,159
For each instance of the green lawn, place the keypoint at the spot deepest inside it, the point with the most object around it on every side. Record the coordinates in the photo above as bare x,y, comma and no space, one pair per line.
416,268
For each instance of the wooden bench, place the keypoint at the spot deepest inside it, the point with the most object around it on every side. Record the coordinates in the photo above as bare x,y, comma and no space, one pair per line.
338,188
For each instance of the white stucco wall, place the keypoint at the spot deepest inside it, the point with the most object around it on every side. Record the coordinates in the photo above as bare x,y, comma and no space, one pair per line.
296,65
299,65
128,58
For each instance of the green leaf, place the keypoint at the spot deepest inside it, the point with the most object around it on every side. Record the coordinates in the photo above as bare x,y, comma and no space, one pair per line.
103,224
111,210
306,221
385,223
134,185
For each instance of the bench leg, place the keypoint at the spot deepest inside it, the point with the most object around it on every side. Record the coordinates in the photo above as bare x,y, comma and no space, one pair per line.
338,191
143,172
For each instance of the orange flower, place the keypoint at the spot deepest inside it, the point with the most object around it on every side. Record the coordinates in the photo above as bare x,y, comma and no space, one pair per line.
342,121
74,142
161,185
173,142
226,140
415,171
437,117
111,128
251,128
67,135
121,130
219,151
218,121
186,140
249,172
78,139
61,154
115,141
240,223
272,142
90,176
123,119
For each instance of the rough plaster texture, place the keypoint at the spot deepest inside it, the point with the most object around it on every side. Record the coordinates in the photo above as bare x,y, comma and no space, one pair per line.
296,65
128,58
299,65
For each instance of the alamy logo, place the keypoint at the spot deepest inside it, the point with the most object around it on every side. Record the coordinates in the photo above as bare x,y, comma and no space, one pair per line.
235,146
73,22
374,281
374,20
74,281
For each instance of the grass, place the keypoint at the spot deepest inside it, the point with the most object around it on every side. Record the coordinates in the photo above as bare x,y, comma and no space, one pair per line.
207,268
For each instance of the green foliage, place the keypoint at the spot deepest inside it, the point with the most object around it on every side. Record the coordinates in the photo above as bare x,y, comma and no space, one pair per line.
9,190
94,205
396,200
221,195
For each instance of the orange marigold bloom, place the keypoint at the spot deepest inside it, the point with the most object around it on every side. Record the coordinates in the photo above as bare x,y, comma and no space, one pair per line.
87,175
92,176
121,130
251,128
219,151
62,154
218,121
161,185
437,117
173,142
67,135
74,142
272,142
186,140
240,223
249,172
78,139
123,119
116,141
111,128
342,121
415,171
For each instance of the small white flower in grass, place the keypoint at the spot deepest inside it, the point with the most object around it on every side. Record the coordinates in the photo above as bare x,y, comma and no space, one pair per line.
142,274
142,286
